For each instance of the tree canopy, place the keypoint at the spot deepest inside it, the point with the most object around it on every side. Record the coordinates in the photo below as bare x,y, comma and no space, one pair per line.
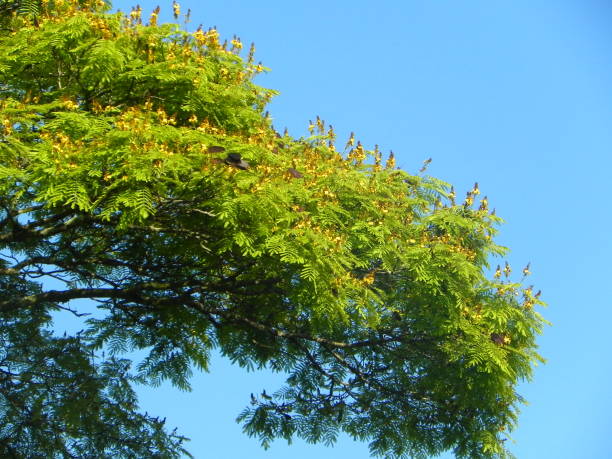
140,170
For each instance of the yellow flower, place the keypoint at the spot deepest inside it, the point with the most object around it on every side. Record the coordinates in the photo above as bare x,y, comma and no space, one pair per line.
8,126
136,13
236,43
475,190
200,37
526,271
70,104
390,164
368,278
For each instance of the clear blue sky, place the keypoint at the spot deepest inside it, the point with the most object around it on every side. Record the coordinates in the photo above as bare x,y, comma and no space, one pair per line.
515,95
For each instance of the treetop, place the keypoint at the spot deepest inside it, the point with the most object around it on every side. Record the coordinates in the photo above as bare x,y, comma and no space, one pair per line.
140,169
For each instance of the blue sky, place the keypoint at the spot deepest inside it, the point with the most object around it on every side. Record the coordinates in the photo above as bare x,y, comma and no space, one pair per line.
515,95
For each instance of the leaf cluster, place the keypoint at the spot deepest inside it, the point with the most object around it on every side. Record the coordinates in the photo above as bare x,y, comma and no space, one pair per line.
139,170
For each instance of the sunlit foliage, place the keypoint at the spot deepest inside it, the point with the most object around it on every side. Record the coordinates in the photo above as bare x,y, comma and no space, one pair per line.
139,170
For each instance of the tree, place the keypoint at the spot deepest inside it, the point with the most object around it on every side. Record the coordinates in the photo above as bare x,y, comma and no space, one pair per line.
140,171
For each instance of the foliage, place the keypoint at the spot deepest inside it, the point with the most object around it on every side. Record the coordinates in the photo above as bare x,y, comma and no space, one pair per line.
139,170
